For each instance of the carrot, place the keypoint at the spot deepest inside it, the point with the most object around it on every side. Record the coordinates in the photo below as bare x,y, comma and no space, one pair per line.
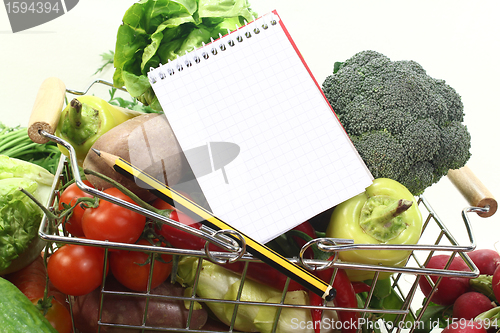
32,282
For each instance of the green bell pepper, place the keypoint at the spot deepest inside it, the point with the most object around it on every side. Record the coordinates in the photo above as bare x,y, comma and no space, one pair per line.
386,213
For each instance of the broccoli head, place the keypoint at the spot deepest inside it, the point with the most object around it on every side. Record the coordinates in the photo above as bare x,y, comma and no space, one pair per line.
406,125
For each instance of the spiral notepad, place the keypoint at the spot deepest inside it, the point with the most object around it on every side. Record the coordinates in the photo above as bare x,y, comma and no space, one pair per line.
266,148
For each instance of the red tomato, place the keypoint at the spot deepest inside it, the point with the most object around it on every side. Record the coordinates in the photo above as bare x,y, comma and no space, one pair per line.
58,316
112,222
132,268
73,224
76,269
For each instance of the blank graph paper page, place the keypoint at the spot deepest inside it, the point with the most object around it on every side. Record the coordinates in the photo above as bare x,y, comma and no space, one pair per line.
277,154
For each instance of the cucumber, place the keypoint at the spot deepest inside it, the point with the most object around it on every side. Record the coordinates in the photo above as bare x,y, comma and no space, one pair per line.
18,314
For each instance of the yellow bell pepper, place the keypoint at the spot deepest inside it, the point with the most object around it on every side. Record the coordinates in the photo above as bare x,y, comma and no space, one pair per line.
386,213
85,119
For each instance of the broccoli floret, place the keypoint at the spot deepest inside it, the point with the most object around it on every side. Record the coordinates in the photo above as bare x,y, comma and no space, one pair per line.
455,148
382,153
405,124
421,139
420,177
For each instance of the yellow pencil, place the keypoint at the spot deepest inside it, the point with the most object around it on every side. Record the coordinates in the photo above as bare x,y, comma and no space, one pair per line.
260,251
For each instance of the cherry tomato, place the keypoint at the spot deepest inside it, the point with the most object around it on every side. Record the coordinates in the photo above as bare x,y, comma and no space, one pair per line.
58,316
76,269
73,224
132,268
112,222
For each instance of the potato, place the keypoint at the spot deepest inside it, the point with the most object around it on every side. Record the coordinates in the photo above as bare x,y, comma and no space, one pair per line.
129,310
148,142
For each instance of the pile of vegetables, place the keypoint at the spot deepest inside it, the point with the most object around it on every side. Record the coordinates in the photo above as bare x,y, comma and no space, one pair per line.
102,220
385,213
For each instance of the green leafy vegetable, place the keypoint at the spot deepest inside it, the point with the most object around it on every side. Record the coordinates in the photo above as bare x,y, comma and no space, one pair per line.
128,104
19,216
107,57
156,31
131,104
15,142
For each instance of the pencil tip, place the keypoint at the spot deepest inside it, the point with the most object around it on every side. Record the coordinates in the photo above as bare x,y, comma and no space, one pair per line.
96,151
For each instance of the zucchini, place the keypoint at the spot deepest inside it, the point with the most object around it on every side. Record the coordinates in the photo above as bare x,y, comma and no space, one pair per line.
18,314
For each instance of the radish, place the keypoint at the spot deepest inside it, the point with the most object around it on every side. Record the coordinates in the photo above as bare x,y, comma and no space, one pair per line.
450,288
486,260
465,326
470,305
495,283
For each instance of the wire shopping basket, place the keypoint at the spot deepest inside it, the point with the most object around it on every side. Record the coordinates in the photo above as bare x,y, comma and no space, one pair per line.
404,280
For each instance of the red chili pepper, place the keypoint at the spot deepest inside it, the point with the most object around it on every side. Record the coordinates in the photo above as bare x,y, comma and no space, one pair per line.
360,287
346,294
345,298
314,299
307,228
316,313
181,239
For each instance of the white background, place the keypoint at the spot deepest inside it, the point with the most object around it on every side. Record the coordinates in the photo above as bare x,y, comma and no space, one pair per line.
453,40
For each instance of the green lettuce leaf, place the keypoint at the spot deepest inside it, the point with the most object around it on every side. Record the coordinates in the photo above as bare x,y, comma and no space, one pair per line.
20,217
158,31
226,8
16,168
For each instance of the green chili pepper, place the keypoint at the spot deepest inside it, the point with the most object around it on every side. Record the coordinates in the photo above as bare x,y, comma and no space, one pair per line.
85,119
386,213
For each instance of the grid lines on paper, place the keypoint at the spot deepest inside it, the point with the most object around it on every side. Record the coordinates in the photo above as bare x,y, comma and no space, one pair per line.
295,159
